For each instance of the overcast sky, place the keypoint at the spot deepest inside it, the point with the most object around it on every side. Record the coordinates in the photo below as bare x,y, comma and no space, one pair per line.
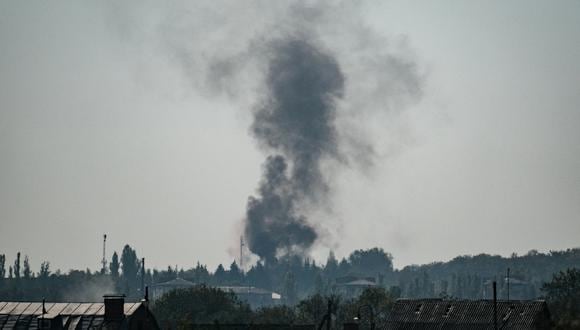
109,125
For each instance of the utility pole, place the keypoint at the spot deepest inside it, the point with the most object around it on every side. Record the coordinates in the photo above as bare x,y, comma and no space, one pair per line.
142,275
494,305
508,284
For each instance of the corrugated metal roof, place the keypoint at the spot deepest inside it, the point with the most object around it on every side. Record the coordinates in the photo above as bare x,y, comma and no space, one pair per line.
8,307
57,308
93,309
32,308
70,309
86,315
77,309
48,306
129,310
466,314
20,308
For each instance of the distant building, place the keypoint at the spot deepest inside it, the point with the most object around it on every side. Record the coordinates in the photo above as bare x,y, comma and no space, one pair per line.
352,285
114,313
255,297
468,314
159,289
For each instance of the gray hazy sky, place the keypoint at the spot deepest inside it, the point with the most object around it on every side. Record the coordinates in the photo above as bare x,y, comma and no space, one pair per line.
106,126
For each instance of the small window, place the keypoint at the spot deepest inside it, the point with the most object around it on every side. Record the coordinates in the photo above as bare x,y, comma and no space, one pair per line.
418,308
507,315
448,310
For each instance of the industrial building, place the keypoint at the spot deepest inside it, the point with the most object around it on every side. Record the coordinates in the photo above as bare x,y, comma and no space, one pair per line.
113,313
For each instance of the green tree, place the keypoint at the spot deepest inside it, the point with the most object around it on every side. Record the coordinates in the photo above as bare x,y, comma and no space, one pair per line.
372,261
44,270
313,308
200,274
563,297
343,267
331,267
17,266
274,315
200,304
319,287
26,268
235,275
219,275
130,268
289,294
380,299
2,266
259,276
114,265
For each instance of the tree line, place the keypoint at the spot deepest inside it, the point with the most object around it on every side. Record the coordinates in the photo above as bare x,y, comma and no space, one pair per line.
294,277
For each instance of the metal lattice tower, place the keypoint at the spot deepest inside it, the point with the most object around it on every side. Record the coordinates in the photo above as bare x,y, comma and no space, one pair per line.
104,260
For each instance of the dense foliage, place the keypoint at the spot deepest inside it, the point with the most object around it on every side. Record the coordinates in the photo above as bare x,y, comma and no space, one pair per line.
563,296
203,305
200,304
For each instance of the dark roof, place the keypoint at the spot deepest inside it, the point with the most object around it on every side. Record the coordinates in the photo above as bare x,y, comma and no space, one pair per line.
178,282
467,314
87,315
351,277
364,283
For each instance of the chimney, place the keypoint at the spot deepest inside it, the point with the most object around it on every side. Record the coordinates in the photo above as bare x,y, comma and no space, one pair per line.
145,300
114,307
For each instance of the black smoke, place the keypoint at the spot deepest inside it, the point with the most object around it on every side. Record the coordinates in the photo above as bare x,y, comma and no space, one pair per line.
295,123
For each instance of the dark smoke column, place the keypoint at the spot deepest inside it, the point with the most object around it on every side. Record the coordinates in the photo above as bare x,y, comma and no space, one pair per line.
295,122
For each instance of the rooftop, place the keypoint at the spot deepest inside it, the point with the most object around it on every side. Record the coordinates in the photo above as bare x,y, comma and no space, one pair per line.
178,282
468,314
25,314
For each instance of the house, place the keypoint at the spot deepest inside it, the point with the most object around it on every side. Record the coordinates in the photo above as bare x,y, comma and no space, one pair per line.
159,289
113,313
352,285
468,314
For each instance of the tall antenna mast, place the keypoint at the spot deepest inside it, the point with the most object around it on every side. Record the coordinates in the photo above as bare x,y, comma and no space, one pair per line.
242,253
104,261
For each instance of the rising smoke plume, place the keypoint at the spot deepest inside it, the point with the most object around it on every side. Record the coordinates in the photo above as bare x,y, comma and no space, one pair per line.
315,75
296,122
